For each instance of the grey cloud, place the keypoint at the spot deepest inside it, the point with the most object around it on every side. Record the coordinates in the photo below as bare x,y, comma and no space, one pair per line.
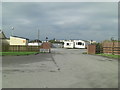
61,20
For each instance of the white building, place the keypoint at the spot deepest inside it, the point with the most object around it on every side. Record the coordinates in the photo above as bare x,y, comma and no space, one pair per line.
15,40
34,44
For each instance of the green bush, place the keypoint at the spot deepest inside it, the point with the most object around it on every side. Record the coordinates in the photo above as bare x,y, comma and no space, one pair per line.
98,47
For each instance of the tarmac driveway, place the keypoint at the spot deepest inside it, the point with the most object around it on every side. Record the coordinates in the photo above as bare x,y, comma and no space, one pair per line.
63,68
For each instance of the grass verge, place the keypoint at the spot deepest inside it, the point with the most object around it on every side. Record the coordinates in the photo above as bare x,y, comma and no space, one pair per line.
16,53
110,56
84,53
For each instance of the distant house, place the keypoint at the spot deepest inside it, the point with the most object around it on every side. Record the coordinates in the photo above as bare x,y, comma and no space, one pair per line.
35,43
15,40
3,39
91,41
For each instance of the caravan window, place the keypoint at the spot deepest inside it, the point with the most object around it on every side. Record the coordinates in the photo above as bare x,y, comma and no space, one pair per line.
68,44
79,43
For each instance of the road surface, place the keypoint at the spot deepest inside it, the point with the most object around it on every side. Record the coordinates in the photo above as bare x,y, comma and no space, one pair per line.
63,68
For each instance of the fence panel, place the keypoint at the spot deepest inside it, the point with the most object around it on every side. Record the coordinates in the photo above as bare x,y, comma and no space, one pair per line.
106,47
5,47
111,47
20,48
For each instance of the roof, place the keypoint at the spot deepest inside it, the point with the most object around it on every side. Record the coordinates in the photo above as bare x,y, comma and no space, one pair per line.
20,37
2,35
46,45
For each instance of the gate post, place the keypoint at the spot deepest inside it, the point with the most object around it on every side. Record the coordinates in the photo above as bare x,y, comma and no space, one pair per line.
91,49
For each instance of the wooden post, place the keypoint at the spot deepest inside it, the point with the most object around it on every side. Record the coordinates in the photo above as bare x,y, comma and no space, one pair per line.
113,48
112,39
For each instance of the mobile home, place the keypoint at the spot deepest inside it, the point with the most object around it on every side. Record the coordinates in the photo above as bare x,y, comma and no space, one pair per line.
80,44
68,44
76,44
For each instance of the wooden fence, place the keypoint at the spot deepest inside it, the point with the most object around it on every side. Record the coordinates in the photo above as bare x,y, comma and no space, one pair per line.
111,47
20,48
105,47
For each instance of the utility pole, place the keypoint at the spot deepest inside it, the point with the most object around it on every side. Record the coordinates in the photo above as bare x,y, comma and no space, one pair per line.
38,36
12,30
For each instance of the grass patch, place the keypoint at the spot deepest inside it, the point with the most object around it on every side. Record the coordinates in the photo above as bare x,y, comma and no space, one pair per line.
84,53
110,55
16,53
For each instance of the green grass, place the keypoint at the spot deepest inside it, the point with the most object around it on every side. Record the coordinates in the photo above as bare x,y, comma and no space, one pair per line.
84,53
16,53
110,55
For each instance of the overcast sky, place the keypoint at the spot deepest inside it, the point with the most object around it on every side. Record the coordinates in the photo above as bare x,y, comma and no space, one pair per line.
78,20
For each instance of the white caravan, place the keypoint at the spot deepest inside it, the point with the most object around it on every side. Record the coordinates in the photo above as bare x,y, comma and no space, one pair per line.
76,44
80,44
68,44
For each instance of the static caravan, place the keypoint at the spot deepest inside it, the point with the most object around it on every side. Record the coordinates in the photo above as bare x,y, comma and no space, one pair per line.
76,44
80,44
68,44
